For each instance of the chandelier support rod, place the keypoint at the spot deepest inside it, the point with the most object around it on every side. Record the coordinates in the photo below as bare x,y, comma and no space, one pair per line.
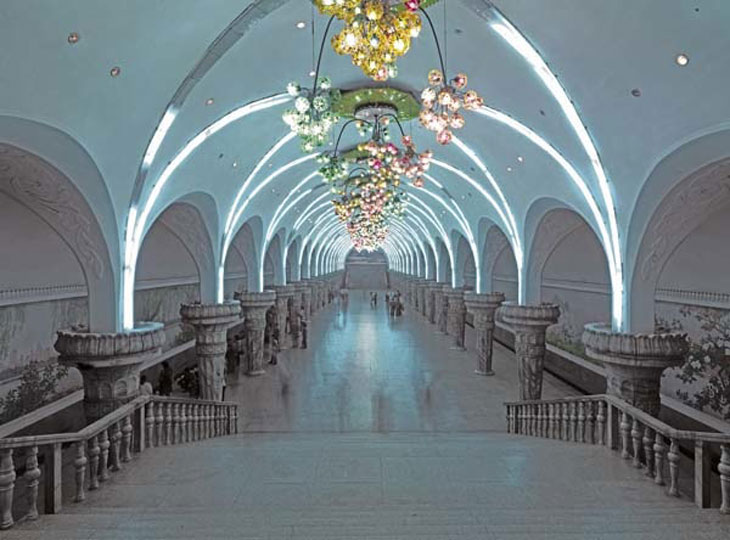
321,52
342,131
436,39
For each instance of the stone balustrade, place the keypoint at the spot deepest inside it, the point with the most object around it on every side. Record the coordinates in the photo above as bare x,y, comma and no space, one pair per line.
648,443
101,449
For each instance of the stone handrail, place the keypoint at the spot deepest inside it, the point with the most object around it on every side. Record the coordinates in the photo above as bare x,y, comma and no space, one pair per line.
647,441
102,447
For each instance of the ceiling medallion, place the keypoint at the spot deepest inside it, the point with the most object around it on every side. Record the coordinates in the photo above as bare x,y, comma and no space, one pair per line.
402,103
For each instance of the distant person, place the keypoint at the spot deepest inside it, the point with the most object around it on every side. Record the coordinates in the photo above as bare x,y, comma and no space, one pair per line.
164,382
145,388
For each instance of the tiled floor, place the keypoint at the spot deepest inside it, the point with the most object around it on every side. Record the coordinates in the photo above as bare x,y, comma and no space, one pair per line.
385,433
367,372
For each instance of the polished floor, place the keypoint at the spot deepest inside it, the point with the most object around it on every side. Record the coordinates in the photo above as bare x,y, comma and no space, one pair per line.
364,371
378,431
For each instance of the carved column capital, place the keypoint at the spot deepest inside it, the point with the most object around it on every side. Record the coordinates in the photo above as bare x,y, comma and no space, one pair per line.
530,324
254,307
110,363
635,362
211,321
484,307
456,315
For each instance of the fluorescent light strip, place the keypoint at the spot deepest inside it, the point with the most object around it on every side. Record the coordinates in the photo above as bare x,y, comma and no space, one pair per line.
136,220
307,213
613,262
276,219
259,165
522,46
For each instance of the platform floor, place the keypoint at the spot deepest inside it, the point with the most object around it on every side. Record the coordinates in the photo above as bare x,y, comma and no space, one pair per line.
379,431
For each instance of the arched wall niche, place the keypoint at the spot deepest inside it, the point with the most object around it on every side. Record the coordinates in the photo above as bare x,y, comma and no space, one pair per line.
33,302
168,272
463,259
247,242
502,278
684,208
570,269
51,196
236,273
292,256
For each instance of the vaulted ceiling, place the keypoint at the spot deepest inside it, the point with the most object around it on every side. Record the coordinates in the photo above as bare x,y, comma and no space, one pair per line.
584,99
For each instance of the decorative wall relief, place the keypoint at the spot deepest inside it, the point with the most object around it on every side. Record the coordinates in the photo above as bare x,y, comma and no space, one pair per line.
703,381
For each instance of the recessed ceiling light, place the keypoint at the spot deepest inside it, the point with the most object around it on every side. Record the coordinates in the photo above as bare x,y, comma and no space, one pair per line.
235,164
636,92
73,38
209,101
115,71
509,169
520,159
682,59
312,73
301,24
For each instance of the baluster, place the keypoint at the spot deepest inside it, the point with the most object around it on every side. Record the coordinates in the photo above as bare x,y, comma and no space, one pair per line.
235,418
32,474
673,458
104,445
206,421
636,438
590,424
551,420
127,439
601,423
7,488
216,421
724,469
80,465
564,422
581,423
573,422
648,451
625,428
660,450
116,440
509,419
159,419
94,452
194,423
168,424
183,424
545,420
150,421
523,420
175,423
538,420
529,413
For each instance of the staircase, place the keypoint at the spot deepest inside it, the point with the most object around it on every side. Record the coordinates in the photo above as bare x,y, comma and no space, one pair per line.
652,446
379,486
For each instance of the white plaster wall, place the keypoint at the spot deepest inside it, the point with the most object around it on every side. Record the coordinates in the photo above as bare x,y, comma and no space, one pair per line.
702,260
575,277
235,273
504,278
163,256
27,247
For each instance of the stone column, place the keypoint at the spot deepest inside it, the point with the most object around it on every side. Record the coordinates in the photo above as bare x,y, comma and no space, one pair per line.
635,362
484,306
529,324
294,305
456,317
284,294
432,301
211,321
307,297
109,364
423,293
254,306
442,308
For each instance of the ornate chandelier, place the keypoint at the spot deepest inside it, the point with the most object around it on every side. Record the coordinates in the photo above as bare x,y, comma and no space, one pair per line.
312,117
375,34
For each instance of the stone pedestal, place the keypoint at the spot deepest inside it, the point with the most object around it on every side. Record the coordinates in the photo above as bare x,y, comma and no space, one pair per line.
109,364
211,322
635,362
484,306
307,297
456,316
254,306
424,292
432,301
529,324
284,295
